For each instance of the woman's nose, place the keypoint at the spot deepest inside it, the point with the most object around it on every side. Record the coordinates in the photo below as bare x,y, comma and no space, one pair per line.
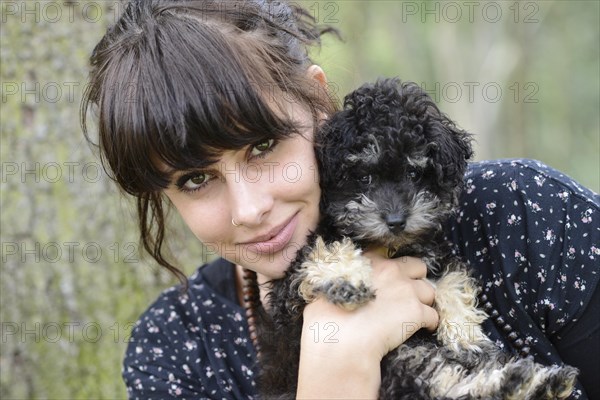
250,201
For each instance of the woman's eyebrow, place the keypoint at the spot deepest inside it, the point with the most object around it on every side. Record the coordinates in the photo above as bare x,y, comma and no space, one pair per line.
169,171
165,170
171,174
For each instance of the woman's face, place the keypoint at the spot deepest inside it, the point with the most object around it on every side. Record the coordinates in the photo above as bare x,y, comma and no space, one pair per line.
271,190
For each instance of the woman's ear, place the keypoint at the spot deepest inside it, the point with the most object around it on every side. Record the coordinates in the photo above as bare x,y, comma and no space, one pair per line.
316,72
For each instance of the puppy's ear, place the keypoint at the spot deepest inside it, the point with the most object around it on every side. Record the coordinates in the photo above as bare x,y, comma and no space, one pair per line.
332,144
449,150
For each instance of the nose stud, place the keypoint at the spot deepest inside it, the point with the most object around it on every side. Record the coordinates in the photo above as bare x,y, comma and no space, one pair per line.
234,223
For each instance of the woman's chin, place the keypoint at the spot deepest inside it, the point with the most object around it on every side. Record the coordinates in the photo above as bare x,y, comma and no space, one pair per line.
272,266
273,271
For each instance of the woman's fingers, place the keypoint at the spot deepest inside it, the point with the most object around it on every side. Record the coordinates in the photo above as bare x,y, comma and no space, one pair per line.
425,291
411,267
414,268
403,281
431,318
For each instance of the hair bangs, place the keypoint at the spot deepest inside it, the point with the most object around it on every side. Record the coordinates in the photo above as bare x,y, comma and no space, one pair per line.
184,102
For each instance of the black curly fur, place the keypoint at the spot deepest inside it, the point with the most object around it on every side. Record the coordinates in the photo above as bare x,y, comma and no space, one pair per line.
392,145
404,120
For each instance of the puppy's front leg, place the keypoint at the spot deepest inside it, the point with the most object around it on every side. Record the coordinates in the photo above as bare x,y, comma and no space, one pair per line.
339,272
460,319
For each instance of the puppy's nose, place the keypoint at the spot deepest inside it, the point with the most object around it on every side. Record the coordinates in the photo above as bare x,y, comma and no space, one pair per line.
395,222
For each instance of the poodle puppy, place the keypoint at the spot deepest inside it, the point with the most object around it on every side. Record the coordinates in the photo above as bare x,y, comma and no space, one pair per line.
391,168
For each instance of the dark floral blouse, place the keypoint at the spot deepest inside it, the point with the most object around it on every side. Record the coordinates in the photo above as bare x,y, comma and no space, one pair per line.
530,234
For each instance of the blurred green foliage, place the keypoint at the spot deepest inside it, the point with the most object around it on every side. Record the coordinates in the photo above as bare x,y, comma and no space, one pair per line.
524,77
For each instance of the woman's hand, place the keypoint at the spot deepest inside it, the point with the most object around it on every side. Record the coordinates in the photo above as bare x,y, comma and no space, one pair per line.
341,350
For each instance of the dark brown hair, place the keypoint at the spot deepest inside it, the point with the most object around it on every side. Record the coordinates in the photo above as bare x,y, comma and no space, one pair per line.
178,82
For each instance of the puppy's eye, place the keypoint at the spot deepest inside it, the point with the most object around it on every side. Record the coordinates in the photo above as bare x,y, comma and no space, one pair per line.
413,174
367,179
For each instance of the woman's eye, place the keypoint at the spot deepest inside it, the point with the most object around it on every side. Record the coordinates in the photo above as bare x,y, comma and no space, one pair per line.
366,179
193,182
198,179
260,148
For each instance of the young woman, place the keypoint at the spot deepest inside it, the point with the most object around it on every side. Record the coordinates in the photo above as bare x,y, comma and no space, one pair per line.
210,107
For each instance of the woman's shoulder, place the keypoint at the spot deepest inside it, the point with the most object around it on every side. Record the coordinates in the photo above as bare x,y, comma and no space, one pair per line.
207,290
210,297
185,337
528,220
526,197
524,176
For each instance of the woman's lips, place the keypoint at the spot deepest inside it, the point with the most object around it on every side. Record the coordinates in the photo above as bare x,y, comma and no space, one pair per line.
276,240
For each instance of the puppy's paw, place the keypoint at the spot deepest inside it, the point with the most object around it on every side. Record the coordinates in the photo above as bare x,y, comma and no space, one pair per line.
526,379
515,378
555,382
460,319
339,272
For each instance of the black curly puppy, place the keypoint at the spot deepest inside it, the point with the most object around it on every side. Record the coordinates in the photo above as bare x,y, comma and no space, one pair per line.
391,168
